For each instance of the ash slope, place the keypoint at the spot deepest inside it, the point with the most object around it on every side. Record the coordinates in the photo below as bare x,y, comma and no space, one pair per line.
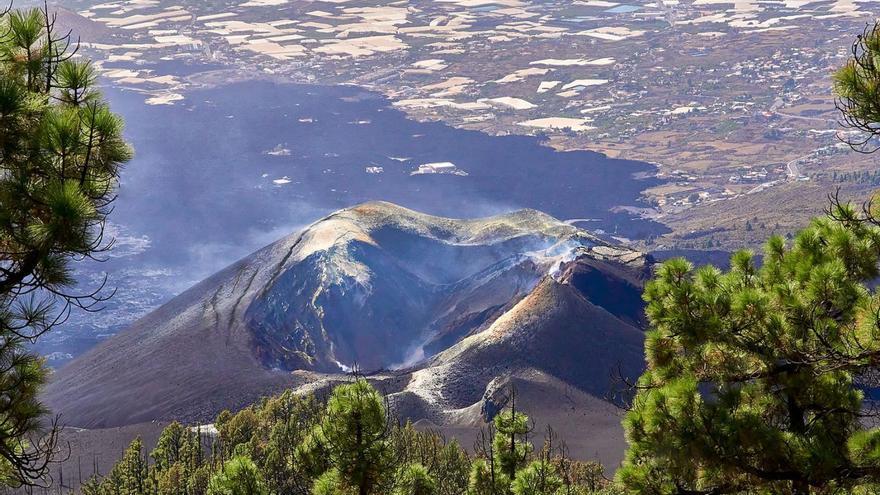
454,308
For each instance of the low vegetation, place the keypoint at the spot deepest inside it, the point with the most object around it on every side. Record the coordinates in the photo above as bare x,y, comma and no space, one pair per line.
348,444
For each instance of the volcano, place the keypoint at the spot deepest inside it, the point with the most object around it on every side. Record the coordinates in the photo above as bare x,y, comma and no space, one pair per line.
442,314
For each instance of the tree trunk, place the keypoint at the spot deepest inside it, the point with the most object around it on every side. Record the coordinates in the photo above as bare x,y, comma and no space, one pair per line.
800,488
798,425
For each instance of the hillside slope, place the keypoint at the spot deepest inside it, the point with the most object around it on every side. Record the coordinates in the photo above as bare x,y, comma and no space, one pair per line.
439,312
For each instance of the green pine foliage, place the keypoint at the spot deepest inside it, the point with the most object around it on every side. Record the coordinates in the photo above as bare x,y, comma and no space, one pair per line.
330,483
511,445
538,478
752,383
857,86
347,445
353,437
414,479
238,476
484,480
507,463
60,152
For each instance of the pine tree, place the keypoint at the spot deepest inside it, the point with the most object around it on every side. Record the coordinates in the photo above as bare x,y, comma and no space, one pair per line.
538,478
239,476
857,86
331,483
170,445
485,480
60,153
580,476
353,436
92,486
504,449
198,481
176,458
511,445
452,470
236,432
131,474
172,481
751,379
414,479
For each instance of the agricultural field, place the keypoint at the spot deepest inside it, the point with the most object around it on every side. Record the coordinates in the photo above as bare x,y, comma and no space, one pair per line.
731,100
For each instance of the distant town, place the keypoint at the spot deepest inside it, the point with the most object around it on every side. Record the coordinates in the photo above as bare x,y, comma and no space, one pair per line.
729,99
